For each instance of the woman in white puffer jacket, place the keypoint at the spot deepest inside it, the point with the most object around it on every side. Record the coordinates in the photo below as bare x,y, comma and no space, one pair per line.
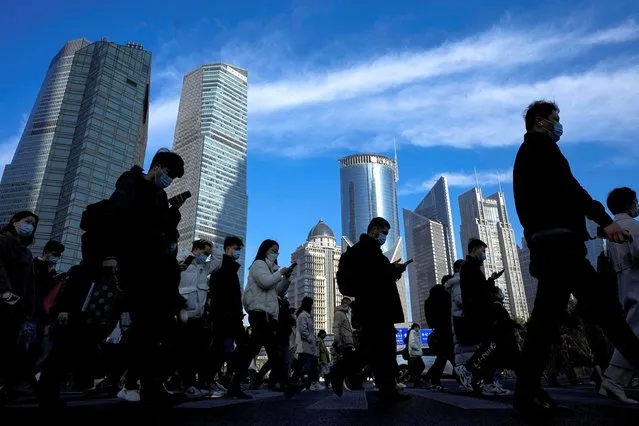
266,282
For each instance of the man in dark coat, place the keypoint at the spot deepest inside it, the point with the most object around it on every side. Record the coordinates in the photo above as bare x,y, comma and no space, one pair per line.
552,206
226,315
379,306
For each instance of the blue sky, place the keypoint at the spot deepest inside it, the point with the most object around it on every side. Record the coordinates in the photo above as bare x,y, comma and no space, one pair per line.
448,80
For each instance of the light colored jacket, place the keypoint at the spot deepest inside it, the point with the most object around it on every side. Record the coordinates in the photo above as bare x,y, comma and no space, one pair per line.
625,260
414,343
306,339
194,282
342,328
265,284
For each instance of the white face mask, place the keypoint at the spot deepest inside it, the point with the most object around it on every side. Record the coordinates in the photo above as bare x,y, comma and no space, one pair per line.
271,256
634,212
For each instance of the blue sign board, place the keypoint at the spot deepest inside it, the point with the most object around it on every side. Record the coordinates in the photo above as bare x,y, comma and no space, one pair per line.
403,332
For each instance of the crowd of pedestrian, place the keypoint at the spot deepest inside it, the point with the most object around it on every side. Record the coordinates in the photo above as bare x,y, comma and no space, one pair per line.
155,325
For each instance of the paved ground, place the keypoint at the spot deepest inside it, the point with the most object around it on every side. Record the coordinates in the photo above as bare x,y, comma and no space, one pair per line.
324,408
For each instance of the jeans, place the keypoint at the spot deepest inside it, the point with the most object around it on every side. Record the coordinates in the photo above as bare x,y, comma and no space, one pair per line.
238,360
560,265
195,340
416,367
310,371
264,333
378,343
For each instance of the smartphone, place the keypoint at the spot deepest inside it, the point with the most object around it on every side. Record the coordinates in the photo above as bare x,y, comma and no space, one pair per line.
189,260
293,265
179,199
500,273
408,262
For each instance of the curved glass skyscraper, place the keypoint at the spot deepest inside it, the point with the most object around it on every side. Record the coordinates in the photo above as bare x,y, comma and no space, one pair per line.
369,189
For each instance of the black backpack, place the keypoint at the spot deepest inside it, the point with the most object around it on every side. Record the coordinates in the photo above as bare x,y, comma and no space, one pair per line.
437,307
346,273
405,355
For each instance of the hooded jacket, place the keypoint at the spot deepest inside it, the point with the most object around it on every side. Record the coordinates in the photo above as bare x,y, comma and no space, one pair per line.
194,282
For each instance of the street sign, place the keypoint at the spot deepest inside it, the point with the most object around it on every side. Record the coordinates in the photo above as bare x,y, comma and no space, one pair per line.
403,332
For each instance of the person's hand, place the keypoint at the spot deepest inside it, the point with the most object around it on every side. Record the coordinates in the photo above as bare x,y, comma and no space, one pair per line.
110,263
616,234
286,271
63,318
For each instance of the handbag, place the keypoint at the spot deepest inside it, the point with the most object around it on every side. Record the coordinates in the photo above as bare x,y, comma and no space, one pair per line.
100,305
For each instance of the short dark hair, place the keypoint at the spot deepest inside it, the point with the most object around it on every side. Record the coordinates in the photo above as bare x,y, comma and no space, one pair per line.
474,243
307,305
457,265
378,222
201,244
53,246
538,109
414,325
233,241
170,160
319,333
346,299
445,278
620,200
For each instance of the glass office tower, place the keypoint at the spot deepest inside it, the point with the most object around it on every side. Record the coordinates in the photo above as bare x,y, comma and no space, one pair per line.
88,125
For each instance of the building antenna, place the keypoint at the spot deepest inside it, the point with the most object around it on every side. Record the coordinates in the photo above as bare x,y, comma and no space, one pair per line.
396,163
476,179
499,182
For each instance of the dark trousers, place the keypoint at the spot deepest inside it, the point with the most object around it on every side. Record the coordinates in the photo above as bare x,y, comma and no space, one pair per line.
9,353
347,367
416,367
561,268
436,371
264,334
378,343
238,359
149,349
310,369
194,345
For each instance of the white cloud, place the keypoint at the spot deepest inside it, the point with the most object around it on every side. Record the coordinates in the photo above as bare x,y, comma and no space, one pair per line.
9,145
459,179
465,93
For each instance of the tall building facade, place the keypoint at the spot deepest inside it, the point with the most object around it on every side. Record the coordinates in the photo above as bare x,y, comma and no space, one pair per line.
88,125
594,246
314,276
368,184
487,219
530,282
211,137
430,242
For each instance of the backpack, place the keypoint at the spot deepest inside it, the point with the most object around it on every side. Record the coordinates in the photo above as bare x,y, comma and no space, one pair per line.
51,299
346,274
405,355
437,307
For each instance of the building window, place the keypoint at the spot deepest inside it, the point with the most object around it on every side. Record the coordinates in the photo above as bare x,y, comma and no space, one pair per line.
131,82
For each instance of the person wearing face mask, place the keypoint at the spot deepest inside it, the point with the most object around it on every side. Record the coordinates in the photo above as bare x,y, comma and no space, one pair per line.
477,305
266,282
622,202
379,306
226,315
135,234
552,207
17,296
196,266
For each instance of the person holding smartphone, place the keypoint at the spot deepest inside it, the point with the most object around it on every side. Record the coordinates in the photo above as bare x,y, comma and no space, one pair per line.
17,292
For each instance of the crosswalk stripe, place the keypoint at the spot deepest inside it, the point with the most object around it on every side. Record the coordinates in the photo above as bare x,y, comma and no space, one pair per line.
460,401
223,402
355,400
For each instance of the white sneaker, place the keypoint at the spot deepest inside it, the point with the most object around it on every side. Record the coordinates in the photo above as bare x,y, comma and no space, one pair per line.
502,390
220,387
465,378
613,389
37,376
490,390
316,387
193,393
218,394
346,388
129,395
400,386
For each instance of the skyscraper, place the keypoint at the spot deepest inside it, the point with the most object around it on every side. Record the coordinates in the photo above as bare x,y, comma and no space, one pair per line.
369,189
487,219
210,135
88,125
314,276
530,282
430,242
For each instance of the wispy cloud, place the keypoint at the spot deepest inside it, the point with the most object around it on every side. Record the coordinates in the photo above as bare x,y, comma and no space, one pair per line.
9,145
459,179
464,93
